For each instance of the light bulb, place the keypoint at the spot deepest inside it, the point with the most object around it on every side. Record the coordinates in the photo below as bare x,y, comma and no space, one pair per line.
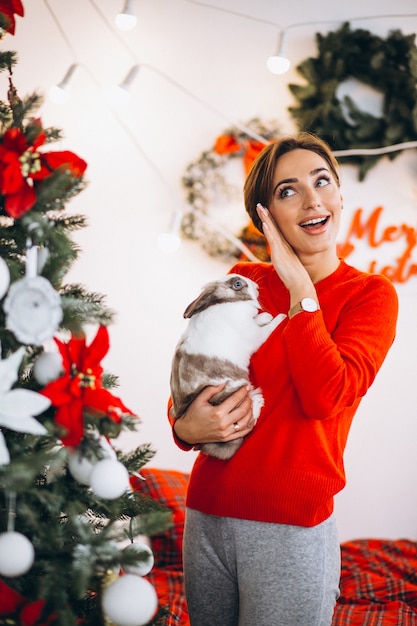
169,242
278,64
58,95
117,95
126,20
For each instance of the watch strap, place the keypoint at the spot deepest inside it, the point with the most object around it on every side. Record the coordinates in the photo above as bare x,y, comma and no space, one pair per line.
297,308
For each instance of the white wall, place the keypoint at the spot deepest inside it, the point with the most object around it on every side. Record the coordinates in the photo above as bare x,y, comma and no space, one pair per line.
136,159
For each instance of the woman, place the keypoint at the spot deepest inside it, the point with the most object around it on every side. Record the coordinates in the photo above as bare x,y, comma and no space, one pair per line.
260,544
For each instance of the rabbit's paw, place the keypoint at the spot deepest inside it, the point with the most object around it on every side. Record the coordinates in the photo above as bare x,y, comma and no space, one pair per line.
264,318
257,402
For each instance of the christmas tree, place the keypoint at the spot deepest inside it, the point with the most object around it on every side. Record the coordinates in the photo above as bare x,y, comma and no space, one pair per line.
68,515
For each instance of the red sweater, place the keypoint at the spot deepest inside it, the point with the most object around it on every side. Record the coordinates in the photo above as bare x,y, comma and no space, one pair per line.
313,371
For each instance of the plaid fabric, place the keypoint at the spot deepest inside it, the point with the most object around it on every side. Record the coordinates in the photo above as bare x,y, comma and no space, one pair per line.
169,488
378,584
169,586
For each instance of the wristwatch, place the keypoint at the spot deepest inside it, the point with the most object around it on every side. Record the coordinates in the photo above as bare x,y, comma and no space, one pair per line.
307,304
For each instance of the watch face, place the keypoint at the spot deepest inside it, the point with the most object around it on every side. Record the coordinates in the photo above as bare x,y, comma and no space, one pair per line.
309,304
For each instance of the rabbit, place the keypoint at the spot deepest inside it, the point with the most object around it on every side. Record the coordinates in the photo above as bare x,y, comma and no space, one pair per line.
224,330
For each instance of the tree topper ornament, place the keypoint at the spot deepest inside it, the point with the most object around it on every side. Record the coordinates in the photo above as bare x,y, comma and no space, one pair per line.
18,405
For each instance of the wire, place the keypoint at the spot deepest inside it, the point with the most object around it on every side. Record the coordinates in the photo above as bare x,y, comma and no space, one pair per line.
296,24
183,89
407,145
207,105
351,19
248,17
113,31
61,30
218,227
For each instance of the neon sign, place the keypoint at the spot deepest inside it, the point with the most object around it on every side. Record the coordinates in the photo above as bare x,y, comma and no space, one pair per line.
370,230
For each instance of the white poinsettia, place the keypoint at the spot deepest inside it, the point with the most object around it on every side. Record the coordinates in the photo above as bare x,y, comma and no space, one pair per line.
17,406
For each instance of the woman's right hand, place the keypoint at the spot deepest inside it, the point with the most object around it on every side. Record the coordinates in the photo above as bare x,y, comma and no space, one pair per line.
205,423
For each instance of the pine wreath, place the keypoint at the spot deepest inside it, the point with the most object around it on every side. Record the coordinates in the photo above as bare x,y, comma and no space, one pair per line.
388,65
205,181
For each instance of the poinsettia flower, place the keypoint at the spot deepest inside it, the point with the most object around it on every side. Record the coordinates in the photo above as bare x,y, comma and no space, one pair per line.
10,599
19,610
253,148
9,8
227,144
31,614
64,159
22,165
18,405
81,386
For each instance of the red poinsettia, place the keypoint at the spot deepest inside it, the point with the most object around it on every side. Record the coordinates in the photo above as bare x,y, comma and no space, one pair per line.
253,148
22,166
9,8
81,386
19,610
228,144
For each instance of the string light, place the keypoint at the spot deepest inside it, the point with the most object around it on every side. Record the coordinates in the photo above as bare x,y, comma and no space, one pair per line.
60,93
171,241
279,64
119,94
126,20
135,69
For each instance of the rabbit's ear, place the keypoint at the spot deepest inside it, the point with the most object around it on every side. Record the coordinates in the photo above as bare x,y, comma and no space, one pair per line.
203,302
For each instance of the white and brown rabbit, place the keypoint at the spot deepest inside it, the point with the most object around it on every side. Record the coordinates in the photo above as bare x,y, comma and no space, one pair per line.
224,330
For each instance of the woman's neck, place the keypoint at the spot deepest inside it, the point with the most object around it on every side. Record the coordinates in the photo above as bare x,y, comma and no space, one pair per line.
319,268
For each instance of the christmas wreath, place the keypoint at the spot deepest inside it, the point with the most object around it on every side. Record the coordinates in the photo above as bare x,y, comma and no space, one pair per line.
388,65
209,190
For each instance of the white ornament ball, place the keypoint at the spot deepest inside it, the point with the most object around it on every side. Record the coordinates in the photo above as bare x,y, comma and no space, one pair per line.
109,479
80,467
146,563
130,601
47,367
17,554
4,277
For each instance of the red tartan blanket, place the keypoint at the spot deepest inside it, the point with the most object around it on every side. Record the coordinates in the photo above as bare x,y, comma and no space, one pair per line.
378,584
378,580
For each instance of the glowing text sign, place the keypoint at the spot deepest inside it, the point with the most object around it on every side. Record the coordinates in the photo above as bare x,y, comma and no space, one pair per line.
369,228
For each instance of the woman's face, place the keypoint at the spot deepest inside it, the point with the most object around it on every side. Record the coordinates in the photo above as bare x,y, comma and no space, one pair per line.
306,202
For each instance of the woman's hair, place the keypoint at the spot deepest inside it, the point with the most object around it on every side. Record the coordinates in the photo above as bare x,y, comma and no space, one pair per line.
258,186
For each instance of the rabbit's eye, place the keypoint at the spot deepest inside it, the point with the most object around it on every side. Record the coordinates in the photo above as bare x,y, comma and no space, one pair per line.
238,284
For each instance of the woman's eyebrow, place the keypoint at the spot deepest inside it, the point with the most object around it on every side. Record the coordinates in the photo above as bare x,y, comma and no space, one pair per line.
285,181
295,180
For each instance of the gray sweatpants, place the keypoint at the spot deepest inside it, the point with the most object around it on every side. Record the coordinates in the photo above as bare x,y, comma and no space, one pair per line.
245,573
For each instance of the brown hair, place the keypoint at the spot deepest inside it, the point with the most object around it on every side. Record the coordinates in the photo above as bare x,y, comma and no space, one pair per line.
258,186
